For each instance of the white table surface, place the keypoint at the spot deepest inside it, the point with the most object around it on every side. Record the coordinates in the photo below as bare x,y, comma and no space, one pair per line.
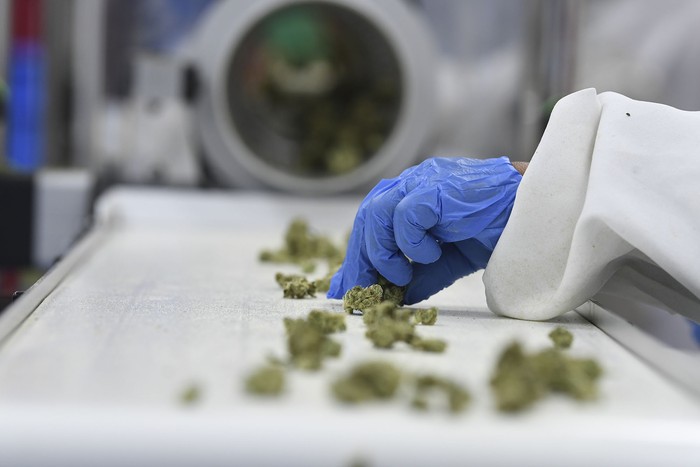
172,293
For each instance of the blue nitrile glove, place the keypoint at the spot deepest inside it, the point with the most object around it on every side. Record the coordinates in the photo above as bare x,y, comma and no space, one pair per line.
436,222
695,329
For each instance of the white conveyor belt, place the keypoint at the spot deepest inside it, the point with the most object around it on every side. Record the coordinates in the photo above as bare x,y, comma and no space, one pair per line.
167,290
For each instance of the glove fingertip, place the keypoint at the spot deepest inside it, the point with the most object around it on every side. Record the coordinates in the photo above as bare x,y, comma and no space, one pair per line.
412,296
426,253
341,282
399,273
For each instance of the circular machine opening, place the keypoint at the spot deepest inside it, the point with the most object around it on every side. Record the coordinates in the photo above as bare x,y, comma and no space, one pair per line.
314,90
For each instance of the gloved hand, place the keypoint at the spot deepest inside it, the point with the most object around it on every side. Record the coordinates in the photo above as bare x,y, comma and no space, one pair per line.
436,222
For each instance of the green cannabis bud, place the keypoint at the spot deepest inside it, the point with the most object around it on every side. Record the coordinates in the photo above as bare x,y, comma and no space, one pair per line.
282,278
385,332
191,395
308,345
385,309
457,397
299,288
266,381
368,381
515,383
521,379
426,316
307,266
561,338
327,322
574,377
301,247
392,292
388,324
428,345
361,298
324,283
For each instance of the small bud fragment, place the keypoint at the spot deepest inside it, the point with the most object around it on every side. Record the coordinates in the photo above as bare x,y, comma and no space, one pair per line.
266,381
303,247
282,278
457,397
426,316
429,345
368,381
191,395
392,292
327,322
308,345
299,288
561,337
324,283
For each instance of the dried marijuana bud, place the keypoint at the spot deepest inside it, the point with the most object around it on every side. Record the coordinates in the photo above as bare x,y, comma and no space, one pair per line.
303,247
335,121
327,322
300,282
324,283
521,379
299,242
428,345
299,288
561,337
343,159
457,397
368,381
385,332
307,266
515,384
388,324
426,316
574,377
282,278
392,293
308,345
266,381
361,298
191,395
381,310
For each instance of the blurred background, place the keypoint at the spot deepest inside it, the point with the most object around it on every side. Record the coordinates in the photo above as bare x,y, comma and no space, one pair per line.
311,98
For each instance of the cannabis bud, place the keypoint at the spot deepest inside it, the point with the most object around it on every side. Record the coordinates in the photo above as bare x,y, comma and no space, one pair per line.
561,338
521,379
368,381
266,381
388,324
307,339
361,298
302,247
298,288
457,397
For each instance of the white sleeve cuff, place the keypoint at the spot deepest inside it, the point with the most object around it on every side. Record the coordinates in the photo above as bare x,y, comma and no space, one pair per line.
613,182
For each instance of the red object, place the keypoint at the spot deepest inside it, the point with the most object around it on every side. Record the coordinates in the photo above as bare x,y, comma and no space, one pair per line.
26,20
9,282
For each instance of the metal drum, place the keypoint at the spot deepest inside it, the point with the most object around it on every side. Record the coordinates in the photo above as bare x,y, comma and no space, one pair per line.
313,97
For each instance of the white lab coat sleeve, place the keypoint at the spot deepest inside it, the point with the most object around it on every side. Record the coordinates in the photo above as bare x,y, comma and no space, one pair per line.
613,181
